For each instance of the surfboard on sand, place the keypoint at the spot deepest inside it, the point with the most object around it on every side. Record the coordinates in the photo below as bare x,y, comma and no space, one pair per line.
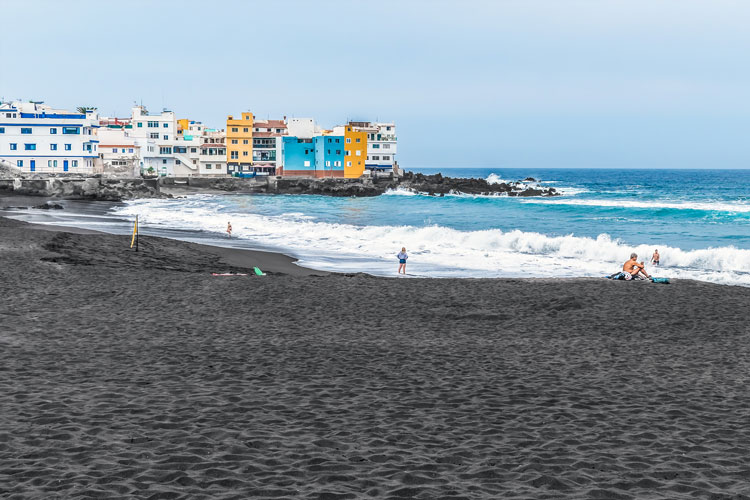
228,274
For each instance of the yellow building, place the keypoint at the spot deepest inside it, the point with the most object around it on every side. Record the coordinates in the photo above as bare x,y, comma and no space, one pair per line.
240,143
355,147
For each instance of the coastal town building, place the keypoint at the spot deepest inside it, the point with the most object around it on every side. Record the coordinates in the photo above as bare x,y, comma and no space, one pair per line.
35,137
267,145
239,137
381,145
355,146
119,153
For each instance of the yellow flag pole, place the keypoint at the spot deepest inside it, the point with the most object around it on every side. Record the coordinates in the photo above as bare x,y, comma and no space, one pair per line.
134,240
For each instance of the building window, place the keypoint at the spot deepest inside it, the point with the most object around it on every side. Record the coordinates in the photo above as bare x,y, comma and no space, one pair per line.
328,164
359,153
348,153
244,129
367,157
386,157
337,164
338,140
376,146
71,130
13,147
193,150
130,150
29,147
67,147
307,163
166,137
153,135
348,164
387,128
244,153
244,141
75,163
163,150
153,124
140,124
235,129
234,141
375,158
53,147
234,155
2,130
53,131
208,166
357,139
338,151
386,146
25,130
348,140
165,125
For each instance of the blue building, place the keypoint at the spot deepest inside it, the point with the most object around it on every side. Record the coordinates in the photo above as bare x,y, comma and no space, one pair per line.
329,155
298,156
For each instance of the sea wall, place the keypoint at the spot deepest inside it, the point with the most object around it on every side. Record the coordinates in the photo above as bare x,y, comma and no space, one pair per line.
83,188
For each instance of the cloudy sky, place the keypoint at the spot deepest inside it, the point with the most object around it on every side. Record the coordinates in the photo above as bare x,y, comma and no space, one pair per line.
526,83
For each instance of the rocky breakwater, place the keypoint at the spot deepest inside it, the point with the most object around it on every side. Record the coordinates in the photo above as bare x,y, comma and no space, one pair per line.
437,185
433,185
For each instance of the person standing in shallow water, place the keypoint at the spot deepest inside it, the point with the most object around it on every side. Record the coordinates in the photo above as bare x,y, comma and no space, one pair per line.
229,229
402,261
655,258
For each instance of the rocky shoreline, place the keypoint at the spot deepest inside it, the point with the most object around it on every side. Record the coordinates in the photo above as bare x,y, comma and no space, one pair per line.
105,188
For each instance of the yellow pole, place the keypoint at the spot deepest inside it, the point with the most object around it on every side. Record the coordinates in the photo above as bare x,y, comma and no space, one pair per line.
135,233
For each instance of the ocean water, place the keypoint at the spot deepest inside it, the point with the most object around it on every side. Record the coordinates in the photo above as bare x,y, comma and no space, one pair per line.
699,220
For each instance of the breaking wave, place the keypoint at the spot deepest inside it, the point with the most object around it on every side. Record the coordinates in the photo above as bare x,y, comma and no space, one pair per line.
437,250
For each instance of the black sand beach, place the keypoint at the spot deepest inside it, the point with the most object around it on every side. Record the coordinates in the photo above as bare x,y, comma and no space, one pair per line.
128,374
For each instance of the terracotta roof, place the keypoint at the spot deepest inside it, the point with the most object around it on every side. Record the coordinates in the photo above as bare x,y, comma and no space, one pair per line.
269,123
213,145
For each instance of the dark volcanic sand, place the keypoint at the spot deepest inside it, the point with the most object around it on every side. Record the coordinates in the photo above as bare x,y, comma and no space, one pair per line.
140,375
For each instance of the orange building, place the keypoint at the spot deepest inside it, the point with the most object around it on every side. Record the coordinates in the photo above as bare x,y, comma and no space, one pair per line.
240,144
355,146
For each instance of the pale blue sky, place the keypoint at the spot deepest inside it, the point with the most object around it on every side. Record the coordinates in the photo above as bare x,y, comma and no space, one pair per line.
526,83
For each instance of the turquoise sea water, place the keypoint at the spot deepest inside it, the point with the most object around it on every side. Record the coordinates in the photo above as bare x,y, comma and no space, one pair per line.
698,219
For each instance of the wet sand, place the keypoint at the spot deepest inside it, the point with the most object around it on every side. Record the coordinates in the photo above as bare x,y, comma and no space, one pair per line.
128,374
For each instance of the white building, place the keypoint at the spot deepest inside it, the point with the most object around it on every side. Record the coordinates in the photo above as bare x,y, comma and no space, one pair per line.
199,151
381,144
120,153
37,138
156,134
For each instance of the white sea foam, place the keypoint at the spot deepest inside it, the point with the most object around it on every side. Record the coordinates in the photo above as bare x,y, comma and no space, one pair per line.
440,251
521,185
706,206
495,179
400,191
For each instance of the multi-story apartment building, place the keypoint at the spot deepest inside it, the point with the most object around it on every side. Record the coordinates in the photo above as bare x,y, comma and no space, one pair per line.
119,153
240,143
37,138
381,145
156,136
319,156
267,145
356,150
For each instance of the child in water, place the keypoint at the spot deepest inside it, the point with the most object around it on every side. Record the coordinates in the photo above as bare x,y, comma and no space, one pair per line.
402,260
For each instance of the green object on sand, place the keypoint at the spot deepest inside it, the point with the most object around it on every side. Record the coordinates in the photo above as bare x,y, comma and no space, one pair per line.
258,272
660,280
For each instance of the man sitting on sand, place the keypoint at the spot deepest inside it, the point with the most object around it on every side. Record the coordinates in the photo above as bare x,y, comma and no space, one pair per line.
633,267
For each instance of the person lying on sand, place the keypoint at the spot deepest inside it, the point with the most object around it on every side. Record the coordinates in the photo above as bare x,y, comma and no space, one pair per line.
633,267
